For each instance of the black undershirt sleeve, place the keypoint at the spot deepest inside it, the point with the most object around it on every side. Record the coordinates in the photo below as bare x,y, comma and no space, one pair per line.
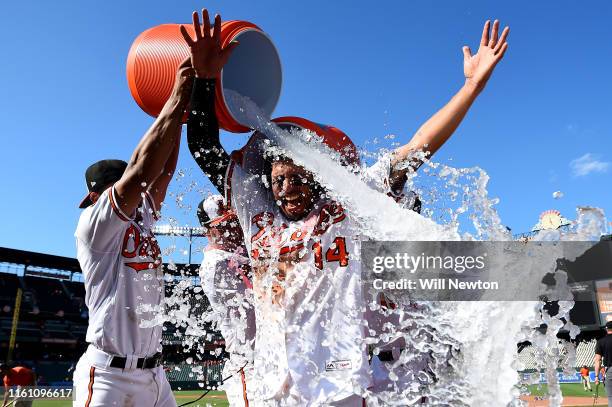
203,133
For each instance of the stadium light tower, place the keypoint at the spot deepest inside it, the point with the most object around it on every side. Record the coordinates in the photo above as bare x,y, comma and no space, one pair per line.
183,231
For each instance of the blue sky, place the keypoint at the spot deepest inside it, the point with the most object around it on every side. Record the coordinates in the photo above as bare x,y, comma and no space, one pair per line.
369,68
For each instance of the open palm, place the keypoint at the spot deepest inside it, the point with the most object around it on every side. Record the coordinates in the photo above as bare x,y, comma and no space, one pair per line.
207,55
478,68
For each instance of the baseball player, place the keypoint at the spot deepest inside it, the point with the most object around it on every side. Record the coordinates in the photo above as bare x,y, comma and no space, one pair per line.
19,376
310,339
303,249
224,276
223,271
122,266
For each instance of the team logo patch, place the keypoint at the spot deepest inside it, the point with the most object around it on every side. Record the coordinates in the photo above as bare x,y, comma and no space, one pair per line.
336,365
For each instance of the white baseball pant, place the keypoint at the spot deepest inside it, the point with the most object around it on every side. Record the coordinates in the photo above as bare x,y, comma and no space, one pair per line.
98,385
237,388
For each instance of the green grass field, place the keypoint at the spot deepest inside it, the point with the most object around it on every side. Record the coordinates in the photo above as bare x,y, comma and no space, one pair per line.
217,398
569,389
214,398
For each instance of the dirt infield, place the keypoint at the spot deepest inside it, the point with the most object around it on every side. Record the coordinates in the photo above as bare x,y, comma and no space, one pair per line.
568,401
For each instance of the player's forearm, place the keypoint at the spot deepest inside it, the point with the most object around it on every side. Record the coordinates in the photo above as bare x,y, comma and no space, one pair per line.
150,157
153,151
438,129
170,166
203,133
155,147
597,367
160,186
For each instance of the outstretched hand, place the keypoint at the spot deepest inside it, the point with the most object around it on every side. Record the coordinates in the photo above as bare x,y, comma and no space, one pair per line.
478,68
207,56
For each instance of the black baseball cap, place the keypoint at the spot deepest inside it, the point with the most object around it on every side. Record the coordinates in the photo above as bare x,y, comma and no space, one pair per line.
100,175
609,325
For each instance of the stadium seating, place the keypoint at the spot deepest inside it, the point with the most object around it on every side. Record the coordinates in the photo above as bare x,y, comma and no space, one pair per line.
50,296
8,288
585,354
186,376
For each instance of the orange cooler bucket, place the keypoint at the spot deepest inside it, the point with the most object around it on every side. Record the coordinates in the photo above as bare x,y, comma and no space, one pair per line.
253,70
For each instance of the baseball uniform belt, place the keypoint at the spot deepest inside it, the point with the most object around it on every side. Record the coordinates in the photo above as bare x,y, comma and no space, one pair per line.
105,359
142,363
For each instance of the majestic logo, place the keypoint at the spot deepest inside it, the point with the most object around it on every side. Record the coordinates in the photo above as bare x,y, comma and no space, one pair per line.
336,365
144,246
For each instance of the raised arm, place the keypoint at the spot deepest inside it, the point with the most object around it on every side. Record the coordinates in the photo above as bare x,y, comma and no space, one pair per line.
438,129
156,146
160,186
203,133
208,58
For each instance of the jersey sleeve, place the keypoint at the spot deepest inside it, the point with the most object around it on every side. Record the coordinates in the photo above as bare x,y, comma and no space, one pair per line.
101,224
218,277
207,276
377,175
150,213
247,196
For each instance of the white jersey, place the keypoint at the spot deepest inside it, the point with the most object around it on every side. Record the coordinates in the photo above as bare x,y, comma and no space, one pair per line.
228,290
121,264
310,331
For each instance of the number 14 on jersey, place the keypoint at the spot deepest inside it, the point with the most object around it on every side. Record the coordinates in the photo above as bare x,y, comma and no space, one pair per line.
335,253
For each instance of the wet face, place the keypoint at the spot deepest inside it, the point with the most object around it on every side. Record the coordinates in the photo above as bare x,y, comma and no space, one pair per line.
293,187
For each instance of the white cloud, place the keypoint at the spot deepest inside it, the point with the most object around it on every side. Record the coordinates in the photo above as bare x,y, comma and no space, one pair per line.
588,164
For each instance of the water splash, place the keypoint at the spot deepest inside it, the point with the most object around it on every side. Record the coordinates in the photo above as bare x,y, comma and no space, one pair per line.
470,348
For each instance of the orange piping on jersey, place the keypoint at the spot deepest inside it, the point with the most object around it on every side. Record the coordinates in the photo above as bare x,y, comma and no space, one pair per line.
244,389
228,182
92,370
152,204
111,198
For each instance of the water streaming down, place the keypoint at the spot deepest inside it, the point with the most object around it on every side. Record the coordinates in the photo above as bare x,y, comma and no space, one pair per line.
470,348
